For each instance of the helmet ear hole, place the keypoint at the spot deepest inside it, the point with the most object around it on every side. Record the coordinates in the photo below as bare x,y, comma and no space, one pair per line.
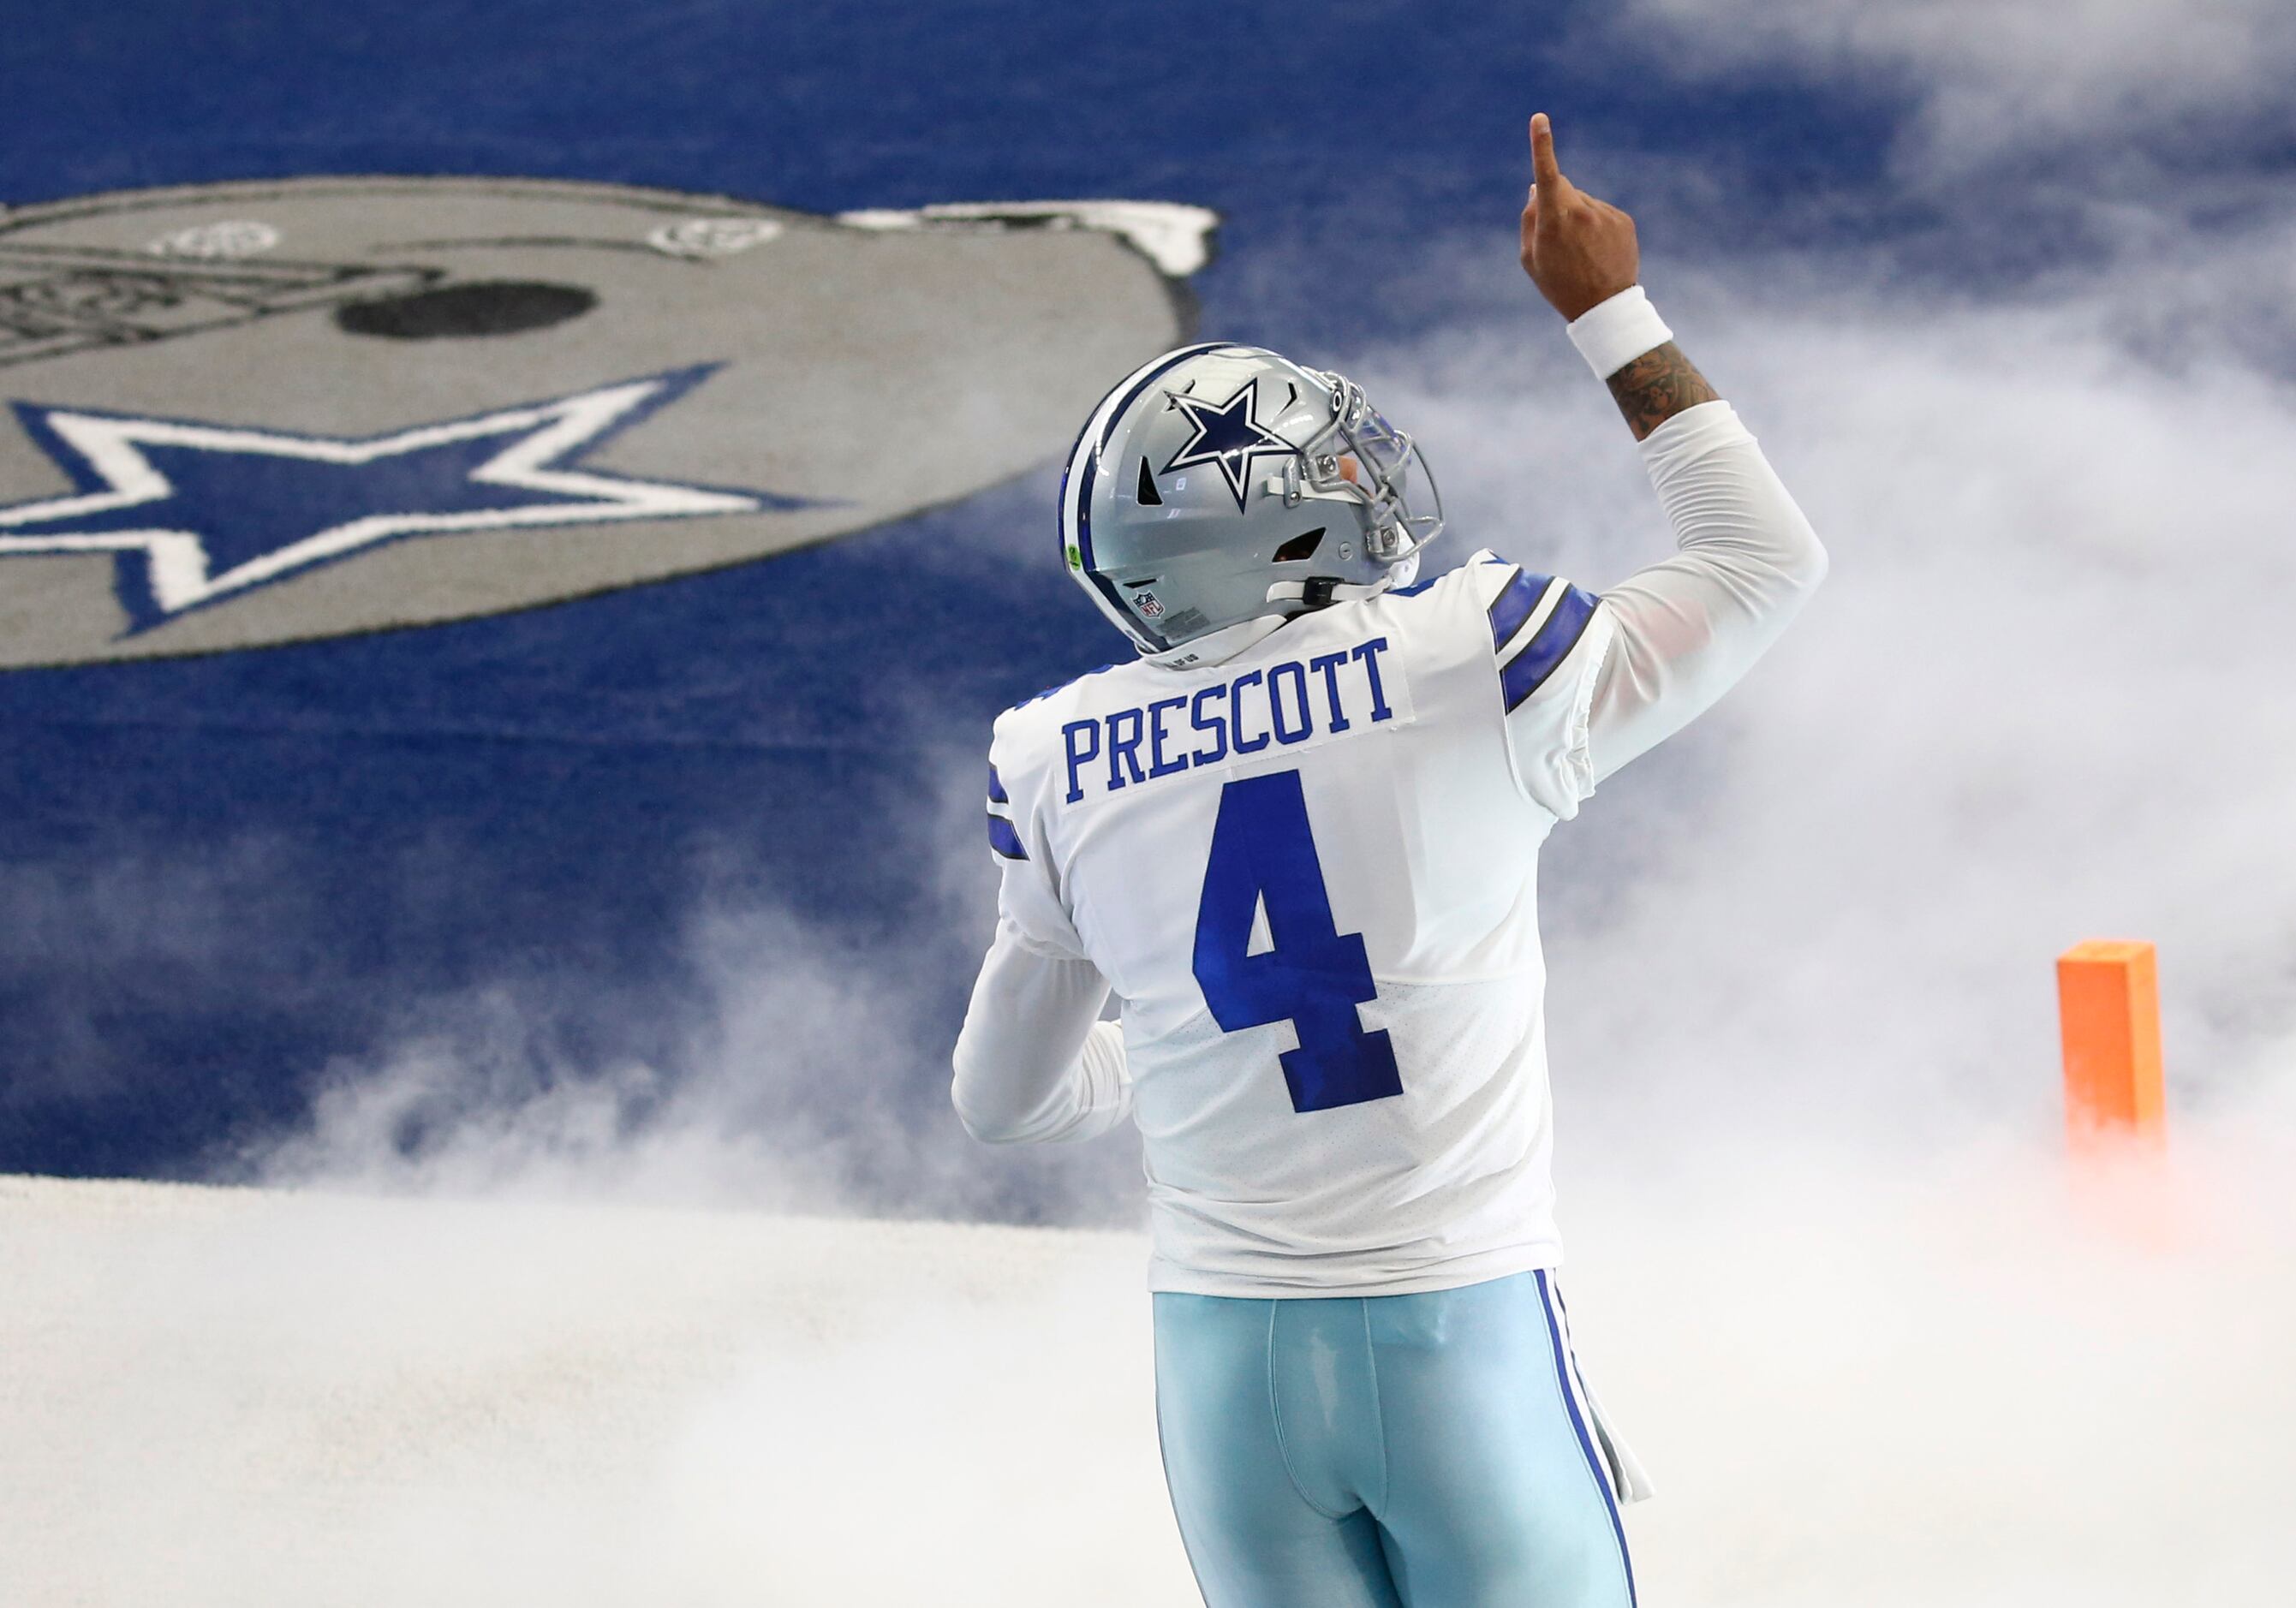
1299,546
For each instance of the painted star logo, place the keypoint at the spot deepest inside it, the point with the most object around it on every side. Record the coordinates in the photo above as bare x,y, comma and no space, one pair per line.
202,512
1227,435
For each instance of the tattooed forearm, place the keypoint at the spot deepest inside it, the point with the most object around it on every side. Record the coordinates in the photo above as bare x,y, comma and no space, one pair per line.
1657,385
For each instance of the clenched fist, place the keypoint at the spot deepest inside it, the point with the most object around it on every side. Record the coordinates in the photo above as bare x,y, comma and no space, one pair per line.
1579,252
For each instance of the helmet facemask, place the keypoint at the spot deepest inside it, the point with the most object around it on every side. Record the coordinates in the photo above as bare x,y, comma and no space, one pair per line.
1360,456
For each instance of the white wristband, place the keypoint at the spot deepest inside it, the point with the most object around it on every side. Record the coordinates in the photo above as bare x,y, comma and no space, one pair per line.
1612,334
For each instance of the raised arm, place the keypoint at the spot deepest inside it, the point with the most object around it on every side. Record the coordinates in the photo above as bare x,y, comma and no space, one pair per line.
1685,629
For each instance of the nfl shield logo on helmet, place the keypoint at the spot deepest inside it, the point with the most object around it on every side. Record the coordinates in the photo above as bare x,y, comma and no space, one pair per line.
1146,602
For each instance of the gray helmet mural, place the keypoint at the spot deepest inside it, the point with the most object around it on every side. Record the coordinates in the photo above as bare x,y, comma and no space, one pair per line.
1224,483
238,415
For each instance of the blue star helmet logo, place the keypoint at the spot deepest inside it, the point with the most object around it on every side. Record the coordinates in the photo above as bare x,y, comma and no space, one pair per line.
200,513
1227,434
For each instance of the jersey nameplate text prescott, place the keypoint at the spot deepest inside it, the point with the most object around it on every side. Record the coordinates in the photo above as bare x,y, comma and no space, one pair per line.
1294,705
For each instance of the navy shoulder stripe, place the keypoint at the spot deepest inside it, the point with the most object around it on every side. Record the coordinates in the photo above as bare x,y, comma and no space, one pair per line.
1004,839
1566,623
1515,603
996,788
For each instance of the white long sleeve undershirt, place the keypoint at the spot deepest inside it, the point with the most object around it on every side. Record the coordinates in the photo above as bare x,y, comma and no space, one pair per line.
1034,1064
1688,627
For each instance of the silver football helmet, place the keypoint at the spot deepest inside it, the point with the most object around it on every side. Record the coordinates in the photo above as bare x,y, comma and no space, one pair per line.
1221,484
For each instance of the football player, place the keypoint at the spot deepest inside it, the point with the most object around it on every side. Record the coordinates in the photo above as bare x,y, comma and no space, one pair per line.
1297,837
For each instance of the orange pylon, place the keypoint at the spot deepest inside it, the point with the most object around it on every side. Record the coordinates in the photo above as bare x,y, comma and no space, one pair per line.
2108,1009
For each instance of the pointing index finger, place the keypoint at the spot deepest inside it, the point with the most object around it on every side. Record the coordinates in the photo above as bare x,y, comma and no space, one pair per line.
1542,168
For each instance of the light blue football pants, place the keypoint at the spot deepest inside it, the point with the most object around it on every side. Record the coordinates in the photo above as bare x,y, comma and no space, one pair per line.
1386,1451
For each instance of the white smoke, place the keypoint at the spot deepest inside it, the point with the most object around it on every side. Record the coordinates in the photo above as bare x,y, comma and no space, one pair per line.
2151,85
2040,699
218,1399
1828,1269
804,1072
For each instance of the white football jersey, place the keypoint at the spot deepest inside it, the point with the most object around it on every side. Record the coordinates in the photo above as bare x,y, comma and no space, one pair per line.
1310,875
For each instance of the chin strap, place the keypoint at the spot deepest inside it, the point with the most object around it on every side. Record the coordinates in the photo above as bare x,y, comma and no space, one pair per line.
1318,590
1321,589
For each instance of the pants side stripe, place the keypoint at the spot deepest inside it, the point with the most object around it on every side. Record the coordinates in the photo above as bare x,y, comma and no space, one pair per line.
1595,1461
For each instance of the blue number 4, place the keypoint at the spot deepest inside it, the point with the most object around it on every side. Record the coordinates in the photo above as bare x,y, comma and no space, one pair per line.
1312,975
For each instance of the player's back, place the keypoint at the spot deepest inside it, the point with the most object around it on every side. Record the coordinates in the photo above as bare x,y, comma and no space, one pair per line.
1309,873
